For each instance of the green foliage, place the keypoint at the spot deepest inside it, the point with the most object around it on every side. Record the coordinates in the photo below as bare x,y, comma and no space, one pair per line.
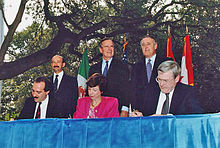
134,18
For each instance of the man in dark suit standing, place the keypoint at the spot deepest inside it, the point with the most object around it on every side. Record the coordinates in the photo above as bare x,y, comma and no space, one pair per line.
65,87
174,97
143,76
42,104
116,73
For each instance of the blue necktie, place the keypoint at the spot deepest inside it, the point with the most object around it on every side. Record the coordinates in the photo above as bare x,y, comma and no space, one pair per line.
55,83
105,69
149,70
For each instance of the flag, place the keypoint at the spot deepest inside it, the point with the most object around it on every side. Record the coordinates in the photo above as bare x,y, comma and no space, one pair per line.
169,48
83,74
186,65
125,56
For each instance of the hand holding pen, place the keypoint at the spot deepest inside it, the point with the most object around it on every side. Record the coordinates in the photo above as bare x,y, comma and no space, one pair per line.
134,113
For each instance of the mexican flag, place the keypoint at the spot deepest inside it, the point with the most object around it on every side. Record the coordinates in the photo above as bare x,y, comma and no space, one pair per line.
83,74
186,65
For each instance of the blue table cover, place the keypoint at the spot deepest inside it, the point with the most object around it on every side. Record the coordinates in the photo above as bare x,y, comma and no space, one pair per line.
182,131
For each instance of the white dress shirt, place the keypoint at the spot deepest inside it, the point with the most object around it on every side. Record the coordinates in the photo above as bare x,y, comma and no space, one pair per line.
104,63
152,60
43,108
161,101
60,76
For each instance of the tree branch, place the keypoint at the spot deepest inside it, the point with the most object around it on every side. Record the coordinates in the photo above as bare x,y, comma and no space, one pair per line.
11,30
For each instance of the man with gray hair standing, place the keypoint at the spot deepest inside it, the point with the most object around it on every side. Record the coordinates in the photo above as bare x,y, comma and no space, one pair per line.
174,97
143,76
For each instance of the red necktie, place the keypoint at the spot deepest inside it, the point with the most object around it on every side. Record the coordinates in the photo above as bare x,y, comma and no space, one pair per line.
38,112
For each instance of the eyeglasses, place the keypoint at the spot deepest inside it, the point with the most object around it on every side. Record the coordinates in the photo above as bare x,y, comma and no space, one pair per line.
158,80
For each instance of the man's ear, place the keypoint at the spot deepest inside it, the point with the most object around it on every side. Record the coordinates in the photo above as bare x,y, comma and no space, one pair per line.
155,45
64,64
177,78
47,92
100,50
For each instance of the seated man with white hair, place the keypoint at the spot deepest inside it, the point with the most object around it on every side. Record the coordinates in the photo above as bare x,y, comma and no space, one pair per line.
174,97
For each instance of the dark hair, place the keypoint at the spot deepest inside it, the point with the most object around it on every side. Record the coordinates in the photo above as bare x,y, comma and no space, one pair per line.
104,39
48,84
97,80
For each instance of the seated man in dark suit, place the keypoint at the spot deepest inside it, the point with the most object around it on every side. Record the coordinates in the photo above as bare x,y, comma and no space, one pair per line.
65,87
42,104
174,97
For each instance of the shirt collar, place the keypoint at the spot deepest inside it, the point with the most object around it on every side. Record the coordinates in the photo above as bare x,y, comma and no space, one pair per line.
151,58
104,61
59,74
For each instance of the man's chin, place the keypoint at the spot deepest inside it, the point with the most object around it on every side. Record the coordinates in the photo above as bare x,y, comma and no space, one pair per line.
36,100
57,70
165,91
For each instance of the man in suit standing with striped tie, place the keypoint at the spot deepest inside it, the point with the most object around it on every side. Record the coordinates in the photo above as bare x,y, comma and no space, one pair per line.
42,104
144,73
116,73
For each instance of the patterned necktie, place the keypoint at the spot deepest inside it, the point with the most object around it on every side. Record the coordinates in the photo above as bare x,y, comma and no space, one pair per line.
165,109
55,83
105,69
37,116
149,70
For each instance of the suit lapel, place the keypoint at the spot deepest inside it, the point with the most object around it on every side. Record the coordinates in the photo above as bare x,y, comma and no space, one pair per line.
99,67
62,82
154,71
112,66
143,71
175,101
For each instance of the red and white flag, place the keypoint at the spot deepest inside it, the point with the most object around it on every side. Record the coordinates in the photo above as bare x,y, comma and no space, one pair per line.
169,48
186,65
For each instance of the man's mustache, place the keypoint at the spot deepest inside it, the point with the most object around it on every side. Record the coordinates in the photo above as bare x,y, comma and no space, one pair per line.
56,66
35,97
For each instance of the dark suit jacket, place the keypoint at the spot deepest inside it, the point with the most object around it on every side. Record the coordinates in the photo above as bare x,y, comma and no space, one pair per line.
67,95
184,100
117,81
145,93
29,107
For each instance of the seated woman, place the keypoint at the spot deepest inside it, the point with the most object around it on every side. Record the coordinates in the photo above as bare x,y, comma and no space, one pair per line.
96,106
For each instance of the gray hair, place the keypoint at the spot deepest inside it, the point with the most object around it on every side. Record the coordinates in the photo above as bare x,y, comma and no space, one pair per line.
170,66
148,36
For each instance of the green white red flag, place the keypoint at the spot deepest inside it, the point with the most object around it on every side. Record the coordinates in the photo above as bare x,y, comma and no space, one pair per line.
83,74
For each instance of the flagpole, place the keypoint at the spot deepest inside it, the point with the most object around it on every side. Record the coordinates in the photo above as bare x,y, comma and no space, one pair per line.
169,30
1,40
187,31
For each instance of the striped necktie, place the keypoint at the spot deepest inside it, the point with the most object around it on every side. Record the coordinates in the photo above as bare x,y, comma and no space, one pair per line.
37,116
